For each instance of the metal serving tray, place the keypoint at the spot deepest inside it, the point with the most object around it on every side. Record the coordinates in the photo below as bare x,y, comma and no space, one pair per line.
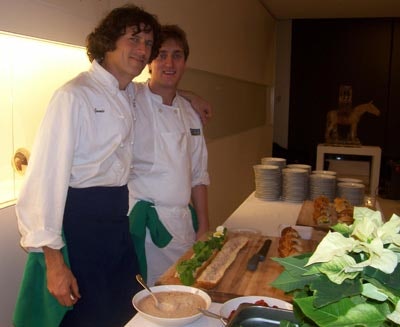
260,316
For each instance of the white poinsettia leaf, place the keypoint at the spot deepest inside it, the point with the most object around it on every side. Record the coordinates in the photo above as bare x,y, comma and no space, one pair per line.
389,232
395,315
332,245
335,269
377,256
373,216
364,229
386,261
373,292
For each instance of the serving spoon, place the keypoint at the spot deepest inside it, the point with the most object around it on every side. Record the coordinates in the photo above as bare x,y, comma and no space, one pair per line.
159,305
141,281
213,315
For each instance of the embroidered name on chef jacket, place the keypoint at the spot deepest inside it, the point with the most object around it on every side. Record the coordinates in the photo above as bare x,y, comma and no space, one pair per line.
195,131
97,110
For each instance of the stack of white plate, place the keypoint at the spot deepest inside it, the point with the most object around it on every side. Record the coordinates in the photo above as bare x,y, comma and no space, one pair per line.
280,162
268,182
352,192
300,166
294,184
349,180
322,184
324,172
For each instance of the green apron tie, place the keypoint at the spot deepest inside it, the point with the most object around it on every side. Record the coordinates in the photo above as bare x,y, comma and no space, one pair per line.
35,306
145,215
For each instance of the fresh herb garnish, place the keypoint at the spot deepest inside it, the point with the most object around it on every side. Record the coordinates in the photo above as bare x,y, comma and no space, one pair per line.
203,250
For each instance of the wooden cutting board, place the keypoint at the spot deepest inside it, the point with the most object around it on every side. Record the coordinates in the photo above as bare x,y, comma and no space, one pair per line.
238,281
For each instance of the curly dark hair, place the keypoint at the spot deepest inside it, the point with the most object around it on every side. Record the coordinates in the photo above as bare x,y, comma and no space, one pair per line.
177,34
114,25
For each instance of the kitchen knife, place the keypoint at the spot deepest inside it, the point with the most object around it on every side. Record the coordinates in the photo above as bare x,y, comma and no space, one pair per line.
262,253
259,256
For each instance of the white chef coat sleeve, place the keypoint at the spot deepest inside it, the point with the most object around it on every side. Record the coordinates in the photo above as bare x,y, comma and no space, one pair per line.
41,202
199,158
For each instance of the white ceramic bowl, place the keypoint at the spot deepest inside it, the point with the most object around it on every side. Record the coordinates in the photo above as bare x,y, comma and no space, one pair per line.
233,304
176,322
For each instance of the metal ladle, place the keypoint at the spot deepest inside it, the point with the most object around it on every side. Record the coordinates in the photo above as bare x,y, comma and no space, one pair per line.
141,281
214,315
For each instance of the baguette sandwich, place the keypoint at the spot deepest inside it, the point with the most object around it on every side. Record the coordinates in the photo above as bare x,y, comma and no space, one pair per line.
215,270
210,260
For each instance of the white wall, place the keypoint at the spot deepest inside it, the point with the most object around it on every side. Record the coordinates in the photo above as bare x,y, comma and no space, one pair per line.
12,259
234,38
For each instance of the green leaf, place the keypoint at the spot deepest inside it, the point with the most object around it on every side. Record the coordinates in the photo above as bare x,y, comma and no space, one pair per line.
343,229
345,313
295,274
288,283
295,264
326,292
390,281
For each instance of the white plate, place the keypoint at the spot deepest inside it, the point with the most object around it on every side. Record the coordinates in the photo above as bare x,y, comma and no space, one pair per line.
349,180
233,304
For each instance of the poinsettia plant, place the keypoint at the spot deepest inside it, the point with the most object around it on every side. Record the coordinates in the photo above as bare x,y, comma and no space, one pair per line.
352,278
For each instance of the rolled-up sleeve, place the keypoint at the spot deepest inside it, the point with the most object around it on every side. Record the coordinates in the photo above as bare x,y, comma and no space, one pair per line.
41,202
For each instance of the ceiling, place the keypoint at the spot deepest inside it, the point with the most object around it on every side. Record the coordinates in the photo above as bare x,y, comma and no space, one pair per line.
309,9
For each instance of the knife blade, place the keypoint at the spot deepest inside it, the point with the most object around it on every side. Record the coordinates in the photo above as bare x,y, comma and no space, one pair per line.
252,263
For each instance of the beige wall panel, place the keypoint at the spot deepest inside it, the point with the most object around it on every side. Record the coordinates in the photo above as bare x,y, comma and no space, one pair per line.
227,37
231,161
238,105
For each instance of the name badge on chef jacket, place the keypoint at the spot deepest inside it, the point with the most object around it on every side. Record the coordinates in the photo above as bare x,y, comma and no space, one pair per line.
195,131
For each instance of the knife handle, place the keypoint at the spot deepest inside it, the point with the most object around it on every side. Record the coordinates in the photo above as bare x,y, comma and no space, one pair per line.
253,263
262,254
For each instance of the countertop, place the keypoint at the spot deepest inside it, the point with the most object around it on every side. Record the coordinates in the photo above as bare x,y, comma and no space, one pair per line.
139,321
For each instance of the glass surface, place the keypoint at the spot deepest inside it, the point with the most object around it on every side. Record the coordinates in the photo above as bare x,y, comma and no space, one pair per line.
30,71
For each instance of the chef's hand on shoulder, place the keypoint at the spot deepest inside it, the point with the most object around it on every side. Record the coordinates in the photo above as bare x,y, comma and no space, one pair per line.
200,105
61,282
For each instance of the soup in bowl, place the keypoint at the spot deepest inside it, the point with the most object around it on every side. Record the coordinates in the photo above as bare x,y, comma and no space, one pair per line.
178,304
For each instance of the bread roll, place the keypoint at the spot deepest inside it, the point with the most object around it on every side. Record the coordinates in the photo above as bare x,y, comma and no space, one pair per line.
322,212
289,243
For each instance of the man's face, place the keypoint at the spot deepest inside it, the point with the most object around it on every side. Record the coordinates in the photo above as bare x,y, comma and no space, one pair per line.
130,56
167,69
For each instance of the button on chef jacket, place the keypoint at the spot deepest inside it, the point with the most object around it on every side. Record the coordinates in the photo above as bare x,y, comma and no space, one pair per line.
84,140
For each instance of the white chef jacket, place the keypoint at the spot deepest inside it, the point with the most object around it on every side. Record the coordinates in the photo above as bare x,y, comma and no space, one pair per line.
152,118
84,140
169,158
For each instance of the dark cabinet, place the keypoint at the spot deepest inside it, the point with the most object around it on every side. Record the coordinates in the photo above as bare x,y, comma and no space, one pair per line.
363,53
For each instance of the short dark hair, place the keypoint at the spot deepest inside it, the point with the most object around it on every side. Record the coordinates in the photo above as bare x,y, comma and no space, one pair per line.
174,32
114,25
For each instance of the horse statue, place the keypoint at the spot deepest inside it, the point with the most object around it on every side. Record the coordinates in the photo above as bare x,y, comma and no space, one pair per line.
349,118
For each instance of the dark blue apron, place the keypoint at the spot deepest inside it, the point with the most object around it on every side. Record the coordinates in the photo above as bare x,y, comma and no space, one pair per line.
102,256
